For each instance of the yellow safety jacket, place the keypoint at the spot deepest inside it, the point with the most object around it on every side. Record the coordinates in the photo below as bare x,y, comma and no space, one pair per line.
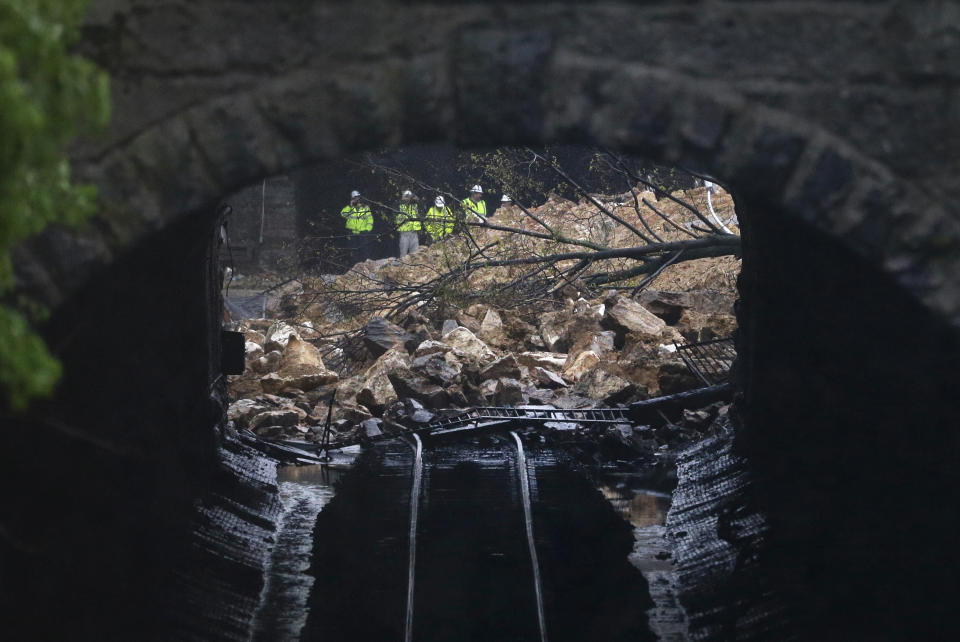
408,218
479,208
439,222
359,218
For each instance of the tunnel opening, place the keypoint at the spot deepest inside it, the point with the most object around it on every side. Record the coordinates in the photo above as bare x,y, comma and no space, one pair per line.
418,367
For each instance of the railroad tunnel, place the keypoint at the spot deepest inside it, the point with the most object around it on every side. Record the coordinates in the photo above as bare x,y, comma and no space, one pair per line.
847,392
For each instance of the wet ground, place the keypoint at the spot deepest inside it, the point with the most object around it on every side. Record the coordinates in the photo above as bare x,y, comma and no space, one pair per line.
646,510
304,491
348,577
340,571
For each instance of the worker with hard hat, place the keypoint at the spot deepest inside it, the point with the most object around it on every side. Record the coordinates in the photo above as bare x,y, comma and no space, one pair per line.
408,224
505,202
439,220
359,221
473,205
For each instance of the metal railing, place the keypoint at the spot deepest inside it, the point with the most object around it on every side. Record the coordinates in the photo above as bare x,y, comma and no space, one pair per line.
710,361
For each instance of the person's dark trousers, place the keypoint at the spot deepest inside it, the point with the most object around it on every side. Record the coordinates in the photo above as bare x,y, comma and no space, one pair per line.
359,246
366,245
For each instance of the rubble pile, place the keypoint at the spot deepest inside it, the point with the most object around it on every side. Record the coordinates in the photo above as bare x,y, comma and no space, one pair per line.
604,352
574,352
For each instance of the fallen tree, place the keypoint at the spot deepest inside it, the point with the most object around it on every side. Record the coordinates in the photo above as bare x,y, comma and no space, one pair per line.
523,255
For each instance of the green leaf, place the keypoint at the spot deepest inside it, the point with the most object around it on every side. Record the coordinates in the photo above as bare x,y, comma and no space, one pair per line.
46,96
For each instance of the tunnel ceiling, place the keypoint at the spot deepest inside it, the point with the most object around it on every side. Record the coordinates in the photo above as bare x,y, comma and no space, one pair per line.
836,115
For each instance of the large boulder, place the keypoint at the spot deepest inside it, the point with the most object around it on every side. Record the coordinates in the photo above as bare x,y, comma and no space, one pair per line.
417,333
408,384
301,366
604,386
553,327
548,378
244,386
278,335
272,383
253,351
283,417
377,392
352,412
547,360
669,306
629,316
564,328
269,362
584,362
468,322
430,347
253,336
442,369
491,328
600,343
503,367
508,392
449,325
468,347
243,410
381,336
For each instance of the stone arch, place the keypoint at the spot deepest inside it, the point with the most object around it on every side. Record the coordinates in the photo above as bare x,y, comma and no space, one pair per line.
301,111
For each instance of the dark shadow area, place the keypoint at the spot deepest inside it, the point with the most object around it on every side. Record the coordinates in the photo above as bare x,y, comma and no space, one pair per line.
360,552
849,411
474,579
99,481
591,591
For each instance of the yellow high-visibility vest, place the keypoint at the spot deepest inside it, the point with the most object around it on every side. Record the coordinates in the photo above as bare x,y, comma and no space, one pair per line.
359,218
439,222
479,208
408,218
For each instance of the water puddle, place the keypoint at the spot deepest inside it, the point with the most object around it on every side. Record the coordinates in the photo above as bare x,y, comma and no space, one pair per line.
491,522
304,491
646,511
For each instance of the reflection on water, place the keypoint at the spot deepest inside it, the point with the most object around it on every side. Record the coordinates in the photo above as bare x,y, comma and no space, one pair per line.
318,475
646,510
304,491
639,507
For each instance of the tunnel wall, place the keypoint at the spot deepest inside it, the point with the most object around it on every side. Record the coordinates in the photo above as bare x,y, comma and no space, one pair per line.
847,416
100,482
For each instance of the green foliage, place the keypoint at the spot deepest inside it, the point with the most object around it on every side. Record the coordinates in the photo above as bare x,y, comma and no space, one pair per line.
514,171
47,96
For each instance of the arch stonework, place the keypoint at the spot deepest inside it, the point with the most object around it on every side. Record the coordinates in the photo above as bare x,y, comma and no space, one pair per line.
214,96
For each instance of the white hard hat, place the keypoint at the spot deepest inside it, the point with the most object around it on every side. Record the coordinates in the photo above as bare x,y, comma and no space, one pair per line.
476,188
354,194
439,202
505,199
407,193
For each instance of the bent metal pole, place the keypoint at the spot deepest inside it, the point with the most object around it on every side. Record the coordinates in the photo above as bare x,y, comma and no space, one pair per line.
528,518
414,513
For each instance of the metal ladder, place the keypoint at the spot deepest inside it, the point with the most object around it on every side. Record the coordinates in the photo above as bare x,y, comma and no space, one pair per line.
502,416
